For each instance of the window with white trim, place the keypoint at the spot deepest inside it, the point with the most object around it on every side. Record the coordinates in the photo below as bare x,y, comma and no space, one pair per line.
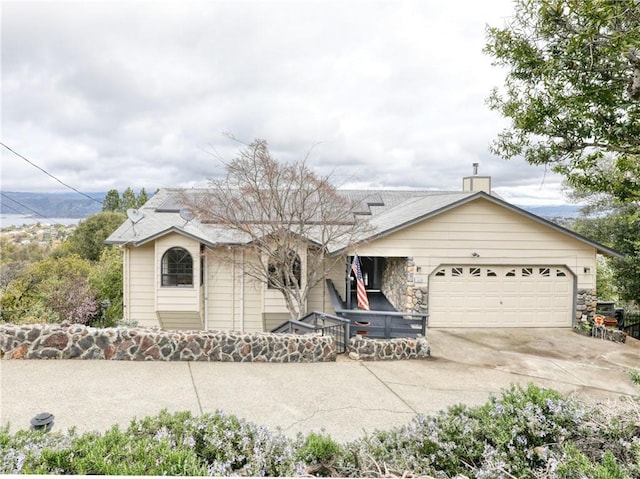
177,267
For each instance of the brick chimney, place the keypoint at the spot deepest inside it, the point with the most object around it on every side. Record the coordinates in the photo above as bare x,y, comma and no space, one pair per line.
475,182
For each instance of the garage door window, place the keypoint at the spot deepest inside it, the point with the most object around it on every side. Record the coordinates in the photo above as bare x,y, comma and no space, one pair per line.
484,272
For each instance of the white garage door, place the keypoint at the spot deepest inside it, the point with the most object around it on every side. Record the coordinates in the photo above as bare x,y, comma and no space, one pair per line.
500,296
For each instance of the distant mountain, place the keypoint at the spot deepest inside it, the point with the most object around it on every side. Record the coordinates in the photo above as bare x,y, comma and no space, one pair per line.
50,205
74,205
557,211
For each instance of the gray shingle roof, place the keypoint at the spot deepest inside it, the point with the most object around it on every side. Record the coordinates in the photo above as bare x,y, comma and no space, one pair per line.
386,211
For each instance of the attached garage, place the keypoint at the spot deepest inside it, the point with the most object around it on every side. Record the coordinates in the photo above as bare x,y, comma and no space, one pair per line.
474,296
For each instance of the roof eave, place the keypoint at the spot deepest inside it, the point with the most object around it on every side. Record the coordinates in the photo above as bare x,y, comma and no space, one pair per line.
160,234
600,248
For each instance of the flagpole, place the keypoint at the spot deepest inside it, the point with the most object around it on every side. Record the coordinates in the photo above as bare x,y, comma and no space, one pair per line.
349,282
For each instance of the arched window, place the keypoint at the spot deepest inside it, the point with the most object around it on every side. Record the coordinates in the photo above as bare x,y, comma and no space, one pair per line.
177,268
286,274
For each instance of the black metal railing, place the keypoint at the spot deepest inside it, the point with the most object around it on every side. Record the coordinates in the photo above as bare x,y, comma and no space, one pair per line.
386,324
379,324
323,323
631,325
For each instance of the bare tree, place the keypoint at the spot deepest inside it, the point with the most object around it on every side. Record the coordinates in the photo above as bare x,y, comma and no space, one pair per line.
278,212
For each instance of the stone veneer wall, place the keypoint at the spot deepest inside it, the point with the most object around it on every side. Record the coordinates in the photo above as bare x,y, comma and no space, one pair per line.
400,288
586,302
55,341
394,282
368,349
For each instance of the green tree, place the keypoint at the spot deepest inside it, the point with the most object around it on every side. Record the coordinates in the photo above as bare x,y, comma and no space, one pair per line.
572,91
142,198
15,257
54,289
111,201
128,200
87,240
106,279
620,230
114,202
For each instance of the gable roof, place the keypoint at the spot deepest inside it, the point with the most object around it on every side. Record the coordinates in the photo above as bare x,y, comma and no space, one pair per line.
419,209
387,211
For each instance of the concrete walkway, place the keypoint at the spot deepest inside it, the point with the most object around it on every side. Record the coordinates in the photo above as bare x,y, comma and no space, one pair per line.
345,398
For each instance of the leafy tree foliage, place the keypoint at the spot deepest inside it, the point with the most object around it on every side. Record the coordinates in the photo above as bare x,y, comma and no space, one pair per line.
87,240
114,202
105,278
572,91
15,257
111,201
128,199
142,198
68,282
620,230
54,289
288,215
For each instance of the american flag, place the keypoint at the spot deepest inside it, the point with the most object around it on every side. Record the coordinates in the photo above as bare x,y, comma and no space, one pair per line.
361,292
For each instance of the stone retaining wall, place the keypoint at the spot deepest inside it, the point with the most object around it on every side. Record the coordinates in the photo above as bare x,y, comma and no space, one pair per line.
367,349
55,341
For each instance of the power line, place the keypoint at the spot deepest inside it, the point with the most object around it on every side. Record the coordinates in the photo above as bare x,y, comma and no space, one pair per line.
50,175
23,205
12,209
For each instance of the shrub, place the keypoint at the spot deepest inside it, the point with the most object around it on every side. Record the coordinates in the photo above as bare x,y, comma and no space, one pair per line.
525,432
225,444
116,453
521,434
319,452
26,447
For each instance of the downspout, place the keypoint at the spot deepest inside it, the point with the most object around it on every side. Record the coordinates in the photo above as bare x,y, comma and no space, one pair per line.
126,268
242,293
206,288
233,291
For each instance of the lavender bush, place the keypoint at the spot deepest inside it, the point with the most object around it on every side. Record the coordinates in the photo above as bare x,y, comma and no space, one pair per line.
526,433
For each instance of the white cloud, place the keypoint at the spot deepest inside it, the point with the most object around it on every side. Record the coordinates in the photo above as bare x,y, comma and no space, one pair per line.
389,93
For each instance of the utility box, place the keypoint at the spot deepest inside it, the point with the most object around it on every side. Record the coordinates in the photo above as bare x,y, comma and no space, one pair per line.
606,308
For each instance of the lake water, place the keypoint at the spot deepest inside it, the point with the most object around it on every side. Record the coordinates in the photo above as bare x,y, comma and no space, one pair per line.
19,220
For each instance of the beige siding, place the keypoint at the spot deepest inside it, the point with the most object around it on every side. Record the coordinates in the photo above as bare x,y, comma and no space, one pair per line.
234,299
318,297
139,285
273,301
221,288
253,304
177,320
497,235
172,298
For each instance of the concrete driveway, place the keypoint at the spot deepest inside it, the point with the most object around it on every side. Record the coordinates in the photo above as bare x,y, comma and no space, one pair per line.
345,398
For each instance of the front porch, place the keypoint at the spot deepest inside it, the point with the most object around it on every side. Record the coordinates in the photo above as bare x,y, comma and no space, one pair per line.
382,321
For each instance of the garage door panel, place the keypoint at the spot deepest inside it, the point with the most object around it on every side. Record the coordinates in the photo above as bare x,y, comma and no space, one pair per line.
499,296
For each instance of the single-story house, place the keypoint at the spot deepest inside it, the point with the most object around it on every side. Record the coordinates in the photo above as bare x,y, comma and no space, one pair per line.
467,258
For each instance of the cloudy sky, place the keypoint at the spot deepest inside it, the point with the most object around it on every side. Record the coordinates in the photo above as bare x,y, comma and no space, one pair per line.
380,93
